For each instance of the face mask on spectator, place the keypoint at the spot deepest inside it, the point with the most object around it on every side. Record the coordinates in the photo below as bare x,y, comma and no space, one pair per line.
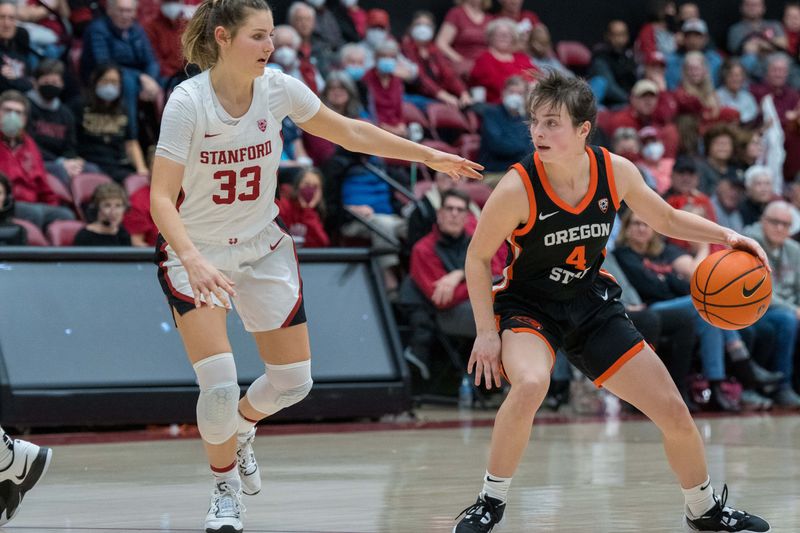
172,10
316,3
49,92
11,124
107,92
285,56
386,65
422,33
653,151
375,36
349,3
514,103
307,193
355,72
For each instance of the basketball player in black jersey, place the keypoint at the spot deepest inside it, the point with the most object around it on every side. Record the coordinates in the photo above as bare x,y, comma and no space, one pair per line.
555,210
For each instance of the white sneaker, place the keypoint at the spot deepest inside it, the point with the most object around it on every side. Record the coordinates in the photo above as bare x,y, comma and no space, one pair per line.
28,464
225,512
246,461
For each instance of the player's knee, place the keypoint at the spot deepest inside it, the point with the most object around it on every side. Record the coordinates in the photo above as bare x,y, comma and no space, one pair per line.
280,387
529,390
218,402
674,416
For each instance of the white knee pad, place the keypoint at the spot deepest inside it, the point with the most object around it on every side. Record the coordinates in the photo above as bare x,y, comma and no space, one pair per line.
281,386
218,403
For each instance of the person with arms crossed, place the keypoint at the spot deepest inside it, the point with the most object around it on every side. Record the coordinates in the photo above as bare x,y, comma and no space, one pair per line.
212,198
555,210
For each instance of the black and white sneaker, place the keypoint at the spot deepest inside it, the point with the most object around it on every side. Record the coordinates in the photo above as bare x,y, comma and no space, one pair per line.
246,462
28,464
225,512
723,518
481,517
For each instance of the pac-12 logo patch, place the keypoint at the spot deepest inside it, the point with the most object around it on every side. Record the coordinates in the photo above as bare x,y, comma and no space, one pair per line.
262,124
528,321
602,203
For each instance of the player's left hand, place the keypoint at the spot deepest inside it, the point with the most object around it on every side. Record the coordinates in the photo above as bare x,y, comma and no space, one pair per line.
454,166
740,242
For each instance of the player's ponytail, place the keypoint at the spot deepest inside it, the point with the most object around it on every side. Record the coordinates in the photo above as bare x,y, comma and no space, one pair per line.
199,45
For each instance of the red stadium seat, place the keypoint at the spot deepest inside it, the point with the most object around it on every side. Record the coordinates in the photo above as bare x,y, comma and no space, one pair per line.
83,186
134,182
412,113
62,232
440,145
448,122
35,235
573,54
469,145
478,192
59,189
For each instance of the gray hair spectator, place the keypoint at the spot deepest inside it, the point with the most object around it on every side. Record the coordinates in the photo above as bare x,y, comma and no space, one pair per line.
758,181
287,44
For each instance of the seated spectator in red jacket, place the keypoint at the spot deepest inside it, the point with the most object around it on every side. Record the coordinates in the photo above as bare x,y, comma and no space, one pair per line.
685,194
138,222
696,96
287,44
501,61
303,208
656,35
462,36
385,90
526,20
11,234
164,32
437,78
21,162
642,112
107,208
654,70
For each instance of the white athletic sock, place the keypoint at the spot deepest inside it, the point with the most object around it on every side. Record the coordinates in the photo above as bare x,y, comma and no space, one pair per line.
699,499
245,425
6,449
496,487
229,474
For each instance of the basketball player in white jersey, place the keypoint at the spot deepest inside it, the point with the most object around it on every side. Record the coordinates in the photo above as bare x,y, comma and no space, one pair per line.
212,198
22,465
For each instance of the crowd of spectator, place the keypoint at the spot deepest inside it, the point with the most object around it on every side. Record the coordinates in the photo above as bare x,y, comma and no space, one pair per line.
713,127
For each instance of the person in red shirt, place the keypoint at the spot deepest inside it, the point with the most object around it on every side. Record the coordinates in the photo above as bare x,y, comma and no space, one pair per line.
164,32
501,61
22,163
685,194
138,221
525,19
386,90
462,36
303,208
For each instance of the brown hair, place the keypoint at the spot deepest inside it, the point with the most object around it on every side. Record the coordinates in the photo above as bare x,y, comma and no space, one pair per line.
109,191
721,129
556,90
199,45
12,95
654,247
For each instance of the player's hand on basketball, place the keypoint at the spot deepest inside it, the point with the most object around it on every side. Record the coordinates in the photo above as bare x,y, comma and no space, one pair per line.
206,280
485,360
740,242
454,166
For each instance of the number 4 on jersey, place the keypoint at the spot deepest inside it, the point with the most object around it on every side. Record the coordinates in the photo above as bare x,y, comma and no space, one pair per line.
578,258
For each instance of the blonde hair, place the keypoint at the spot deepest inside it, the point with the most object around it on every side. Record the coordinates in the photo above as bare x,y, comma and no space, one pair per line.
654,247
198,42
705,90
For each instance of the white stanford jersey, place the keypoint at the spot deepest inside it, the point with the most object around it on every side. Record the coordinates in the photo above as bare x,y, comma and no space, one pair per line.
231,165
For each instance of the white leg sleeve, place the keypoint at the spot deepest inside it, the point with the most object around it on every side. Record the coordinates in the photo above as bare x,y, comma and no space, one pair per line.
217,405
281,386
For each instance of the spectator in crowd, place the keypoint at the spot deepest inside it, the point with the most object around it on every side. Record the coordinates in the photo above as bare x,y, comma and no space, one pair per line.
734,93
660,273
119,39
164,34
613,71
758,193
462,36
303,19
423,215
784,311
353,60
302,209
685,194
750,149
14,47
626,144
526,20
105,133
11,234
687,11
21,162
642,112
654,160
540,50
654,70
45,25
505,138
52,124
437,78
696,97
138,222
656,34
791,27
501,61
726,201
352,19
326,28
755,31
386,90
695,39
720,143
287,44
378,33
107,209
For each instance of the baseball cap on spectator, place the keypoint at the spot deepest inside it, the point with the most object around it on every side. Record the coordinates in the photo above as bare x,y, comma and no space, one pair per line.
655,58
378,18
695,26
644,87
684,163
648,132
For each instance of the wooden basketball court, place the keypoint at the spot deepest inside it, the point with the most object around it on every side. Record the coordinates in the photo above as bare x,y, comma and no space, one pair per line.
579,475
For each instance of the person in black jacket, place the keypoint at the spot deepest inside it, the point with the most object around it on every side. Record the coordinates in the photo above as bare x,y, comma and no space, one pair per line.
109,202
10,233
613,62
14,49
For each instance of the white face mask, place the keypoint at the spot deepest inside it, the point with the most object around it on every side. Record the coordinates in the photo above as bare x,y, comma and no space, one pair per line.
349,3
375,36
514,103
284,56
653,151
422,33
172,10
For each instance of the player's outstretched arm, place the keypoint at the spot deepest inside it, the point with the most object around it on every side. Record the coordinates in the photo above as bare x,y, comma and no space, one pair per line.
363,137
672,222
506,209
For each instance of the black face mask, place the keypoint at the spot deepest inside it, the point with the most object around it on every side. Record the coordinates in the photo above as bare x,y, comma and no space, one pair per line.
49,92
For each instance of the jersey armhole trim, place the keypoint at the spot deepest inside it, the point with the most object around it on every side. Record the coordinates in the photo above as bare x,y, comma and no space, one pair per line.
612,184
526,181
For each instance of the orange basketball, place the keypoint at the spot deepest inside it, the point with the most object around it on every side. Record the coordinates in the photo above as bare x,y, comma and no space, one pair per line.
731,289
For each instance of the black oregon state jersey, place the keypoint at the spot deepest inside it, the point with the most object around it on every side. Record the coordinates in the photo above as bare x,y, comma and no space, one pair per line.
557,254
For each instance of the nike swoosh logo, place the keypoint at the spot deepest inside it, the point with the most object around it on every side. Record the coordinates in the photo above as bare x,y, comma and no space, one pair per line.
273,246
605,295
542,216
747,293
207,135
489,478
24,470
707,484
